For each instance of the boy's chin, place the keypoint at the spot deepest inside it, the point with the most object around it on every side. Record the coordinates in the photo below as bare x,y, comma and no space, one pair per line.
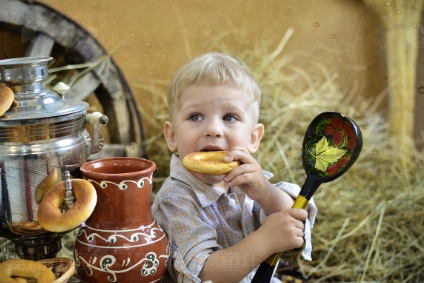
209,179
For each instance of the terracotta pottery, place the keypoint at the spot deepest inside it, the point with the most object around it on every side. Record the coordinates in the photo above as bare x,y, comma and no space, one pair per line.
120,241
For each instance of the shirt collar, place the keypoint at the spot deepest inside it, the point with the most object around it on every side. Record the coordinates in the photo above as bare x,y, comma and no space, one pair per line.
206,194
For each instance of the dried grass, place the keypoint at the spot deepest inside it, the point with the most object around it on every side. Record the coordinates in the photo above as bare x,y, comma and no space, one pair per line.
368,227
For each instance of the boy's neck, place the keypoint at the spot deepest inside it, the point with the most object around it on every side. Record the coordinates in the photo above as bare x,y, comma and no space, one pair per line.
222,186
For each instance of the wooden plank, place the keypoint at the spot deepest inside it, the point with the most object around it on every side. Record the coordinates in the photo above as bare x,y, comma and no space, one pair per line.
87,47
13,12
42,45
117,150
109,150
40,18
137,132
83,87
119,121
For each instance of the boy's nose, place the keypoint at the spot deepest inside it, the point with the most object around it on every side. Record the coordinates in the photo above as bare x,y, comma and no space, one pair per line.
213,129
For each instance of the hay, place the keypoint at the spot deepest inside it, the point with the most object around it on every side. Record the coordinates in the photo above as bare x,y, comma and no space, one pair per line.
368,227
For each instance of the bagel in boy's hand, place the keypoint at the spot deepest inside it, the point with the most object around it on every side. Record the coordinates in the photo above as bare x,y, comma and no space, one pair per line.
209,162
6,99
49,214
20,280
25,268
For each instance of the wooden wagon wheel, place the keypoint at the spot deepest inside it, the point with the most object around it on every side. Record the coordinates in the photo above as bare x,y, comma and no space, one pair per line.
34,29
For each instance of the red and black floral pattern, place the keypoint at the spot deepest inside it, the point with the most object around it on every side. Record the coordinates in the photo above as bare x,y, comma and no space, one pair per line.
331,146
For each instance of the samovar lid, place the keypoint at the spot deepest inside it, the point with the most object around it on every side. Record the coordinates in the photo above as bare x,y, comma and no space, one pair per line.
25,76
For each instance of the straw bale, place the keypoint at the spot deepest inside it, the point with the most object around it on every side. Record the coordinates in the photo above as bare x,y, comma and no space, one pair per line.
368,226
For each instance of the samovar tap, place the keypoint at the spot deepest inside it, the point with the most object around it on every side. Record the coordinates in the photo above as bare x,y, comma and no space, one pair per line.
69,199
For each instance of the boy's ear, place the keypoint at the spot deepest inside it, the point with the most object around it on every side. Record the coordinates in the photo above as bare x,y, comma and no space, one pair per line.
255,137
170,136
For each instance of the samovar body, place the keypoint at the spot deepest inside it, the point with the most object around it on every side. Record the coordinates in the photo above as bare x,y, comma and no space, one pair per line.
41,137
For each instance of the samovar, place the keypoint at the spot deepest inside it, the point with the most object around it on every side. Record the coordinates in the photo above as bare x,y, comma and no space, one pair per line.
42,138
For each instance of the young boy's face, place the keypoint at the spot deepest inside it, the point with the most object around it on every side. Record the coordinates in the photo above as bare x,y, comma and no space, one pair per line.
210,118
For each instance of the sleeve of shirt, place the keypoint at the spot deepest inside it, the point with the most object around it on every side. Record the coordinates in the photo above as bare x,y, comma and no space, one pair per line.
294,190
191,239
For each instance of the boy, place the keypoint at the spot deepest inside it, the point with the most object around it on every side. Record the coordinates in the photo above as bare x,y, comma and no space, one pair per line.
222,227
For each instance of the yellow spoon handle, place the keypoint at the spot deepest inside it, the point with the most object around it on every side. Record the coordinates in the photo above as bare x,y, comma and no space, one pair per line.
300,202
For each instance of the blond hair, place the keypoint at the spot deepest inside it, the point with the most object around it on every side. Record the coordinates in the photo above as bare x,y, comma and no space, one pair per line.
214,69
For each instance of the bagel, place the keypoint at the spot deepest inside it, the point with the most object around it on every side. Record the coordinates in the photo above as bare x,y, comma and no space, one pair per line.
209,162
26,269
6,98
49,212
46,185
20,280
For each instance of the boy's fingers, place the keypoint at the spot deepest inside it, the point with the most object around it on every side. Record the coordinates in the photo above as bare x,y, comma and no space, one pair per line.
238,154
298,213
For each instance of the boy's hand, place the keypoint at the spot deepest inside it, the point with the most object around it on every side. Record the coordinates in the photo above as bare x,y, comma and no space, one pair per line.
248,176
283,230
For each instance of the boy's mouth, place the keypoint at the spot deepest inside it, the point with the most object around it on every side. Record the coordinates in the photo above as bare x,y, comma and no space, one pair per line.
211,149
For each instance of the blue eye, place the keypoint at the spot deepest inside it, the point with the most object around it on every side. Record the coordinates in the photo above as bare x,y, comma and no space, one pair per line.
195,117
229,118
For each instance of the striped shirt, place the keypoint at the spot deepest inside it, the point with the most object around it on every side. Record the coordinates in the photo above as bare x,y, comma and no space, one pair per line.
200,219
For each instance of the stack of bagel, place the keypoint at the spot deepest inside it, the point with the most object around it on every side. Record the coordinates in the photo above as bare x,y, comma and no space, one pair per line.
51,218
49,195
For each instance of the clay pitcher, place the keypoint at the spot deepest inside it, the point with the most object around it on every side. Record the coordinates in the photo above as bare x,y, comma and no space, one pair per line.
120,241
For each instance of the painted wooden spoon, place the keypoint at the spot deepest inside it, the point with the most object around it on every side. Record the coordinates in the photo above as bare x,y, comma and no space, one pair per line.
331,145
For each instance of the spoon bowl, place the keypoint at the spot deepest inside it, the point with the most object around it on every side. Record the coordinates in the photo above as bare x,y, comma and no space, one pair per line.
331,145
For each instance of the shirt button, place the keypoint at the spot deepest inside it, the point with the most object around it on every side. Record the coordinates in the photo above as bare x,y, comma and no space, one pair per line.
232,202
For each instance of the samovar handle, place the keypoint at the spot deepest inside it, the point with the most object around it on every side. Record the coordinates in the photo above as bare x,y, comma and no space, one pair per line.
98,120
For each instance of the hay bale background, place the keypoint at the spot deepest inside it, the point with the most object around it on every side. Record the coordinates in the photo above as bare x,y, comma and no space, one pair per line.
368,225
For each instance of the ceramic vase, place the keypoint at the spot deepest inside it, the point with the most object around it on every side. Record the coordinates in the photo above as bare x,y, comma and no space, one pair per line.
120,241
